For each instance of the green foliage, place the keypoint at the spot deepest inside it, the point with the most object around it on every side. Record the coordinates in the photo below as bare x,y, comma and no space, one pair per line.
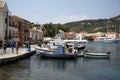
32,25
99,25
50,30
89,39
86,25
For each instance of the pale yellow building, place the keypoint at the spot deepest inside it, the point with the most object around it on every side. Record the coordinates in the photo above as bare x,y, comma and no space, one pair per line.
36,34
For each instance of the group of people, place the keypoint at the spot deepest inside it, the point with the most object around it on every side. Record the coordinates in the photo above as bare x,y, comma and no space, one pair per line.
12,44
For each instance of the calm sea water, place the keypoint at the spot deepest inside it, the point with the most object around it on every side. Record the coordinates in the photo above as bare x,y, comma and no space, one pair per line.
35,68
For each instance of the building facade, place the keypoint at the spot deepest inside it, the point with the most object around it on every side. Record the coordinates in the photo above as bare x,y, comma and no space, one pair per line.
36,34
14,27
4,20
22,26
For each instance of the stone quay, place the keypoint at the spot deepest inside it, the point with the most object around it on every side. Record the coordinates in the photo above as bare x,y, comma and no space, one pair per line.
9,57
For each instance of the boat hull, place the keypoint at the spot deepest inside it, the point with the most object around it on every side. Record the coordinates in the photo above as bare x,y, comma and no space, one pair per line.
112,41
54,54
97,55
108,40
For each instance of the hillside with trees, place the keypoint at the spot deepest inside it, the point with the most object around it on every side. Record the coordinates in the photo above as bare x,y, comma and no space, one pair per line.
99,25
90,26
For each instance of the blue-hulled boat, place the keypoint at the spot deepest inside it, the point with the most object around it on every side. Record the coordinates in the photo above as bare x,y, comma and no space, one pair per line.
59,53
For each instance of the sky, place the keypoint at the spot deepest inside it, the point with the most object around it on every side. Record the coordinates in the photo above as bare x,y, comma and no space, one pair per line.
63,11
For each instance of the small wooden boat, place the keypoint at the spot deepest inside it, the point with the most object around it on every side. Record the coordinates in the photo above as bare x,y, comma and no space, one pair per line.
60,53
97,54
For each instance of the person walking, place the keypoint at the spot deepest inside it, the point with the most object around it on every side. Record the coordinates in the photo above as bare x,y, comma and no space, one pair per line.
17,47
12,45
4,46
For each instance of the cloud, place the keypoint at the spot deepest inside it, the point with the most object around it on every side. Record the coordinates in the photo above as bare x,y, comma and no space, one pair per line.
59,19
65,19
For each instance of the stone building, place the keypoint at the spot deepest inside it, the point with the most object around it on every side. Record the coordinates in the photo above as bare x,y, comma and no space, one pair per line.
22,26
4,20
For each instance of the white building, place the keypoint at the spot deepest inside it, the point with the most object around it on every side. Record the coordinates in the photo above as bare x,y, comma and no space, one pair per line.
60,34
4,20
80,36
36,34
113,35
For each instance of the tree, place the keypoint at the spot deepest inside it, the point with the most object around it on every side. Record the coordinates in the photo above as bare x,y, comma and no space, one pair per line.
89,38
50,30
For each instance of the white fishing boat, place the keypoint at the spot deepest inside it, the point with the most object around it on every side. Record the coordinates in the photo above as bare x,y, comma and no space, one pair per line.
107,40
59,49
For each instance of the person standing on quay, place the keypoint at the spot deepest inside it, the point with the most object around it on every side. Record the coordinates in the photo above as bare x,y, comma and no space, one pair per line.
17,47
12,45
4,46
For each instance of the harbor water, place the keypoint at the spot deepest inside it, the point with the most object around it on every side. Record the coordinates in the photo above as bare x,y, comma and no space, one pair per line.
36,68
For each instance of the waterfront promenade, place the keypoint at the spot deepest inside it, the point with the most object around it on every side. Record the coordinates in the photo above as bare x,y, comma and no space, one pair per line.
10,57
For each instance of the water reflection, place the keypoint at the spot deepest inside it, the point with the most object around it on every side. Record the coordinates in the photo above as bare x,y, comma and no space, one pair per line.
103,47
57,64
16,71
36,68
